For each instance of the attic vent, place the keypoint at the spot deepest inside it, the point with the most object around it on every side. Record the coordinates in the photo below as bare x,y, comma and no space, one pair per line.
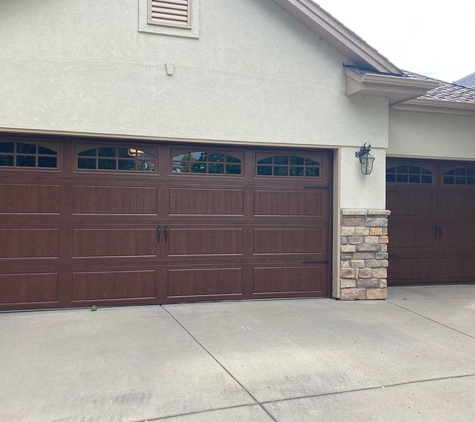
170,13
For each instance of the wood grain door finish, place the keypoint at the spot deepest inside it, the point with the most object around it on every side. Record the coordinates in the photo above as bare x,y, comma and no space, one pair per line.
432,222
121,222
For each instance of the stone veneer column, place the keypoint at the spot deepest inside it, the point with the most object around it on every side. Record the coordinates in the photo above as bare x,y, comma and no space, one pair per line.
364,254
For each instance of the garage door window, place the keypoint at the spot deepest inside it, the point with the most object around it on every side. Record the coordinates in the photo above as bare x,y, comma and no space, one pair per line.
288,165
116,158
460,176
408,174
21,154
206,162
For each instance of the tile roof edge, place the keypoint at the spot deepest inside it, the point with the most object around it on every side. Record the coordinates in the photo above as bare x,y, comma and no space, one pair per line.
408,73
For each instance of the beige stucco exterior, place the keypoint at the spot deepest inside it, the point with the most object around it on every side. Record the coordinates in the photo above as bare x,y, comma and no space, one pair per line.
431,135
254,75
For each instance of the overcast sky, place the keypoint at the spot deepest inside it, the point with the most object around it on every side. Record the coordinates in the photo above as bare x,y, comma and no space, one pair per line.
416,35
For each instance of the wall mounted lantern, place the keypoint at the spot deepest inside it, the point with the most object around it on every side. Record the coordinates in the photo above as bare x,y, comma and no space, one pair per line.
366,159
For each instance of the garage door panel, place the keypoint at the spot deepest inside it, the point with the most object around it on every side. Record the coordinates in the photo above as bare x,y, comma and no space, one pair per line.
204,282
456,202
30,199
457,235
113,285
29,243
291,203
205,241
115,200
410,269
290,279
290,241
413,237
114,242
184,201
458,269
28,288
410,204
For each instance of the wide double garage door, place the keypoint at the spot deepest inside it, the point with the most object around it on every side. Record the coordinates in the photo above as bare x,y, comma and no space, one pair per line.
432,222
114,222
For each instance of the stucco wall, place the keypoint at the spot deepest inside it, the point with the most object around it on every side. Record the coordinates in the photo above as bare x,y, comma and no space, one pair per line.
254,75
357,190
427,135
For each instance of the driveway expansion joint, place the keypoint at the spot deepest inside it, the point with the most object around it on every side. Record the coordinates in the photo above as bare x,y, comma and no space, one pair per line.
432,320
198,412
356,390
220,364
430,298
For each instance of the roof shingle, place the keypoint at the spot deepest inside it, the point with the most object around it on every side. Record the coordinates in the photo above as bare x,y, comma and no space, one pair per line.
450,92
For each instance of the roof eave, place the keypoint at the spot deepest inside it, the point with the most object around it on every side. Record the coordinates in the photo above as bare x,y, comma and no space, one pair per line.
397,89
424,105
336,34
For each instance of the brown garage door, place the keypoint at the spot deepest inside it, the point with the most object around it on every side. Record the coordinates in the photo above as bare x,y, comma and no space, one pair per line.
432,222
99,222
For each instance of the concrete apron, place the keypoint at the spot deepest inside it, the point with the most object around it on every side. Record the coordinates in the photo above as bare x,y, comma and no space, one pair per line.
409,358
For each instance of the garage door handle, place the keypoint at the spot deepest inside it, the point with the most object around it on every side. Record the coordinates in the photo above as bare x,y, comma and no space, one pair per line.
166,233
158,234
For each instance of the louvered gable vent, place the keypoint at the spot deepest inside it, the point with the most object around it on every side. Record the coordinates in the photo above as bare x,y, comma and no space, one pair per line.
170,13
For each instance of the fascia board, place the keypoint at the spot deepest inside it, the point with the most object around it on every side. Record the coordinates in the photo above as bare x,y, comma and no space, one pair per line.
396,89
437,106
395,81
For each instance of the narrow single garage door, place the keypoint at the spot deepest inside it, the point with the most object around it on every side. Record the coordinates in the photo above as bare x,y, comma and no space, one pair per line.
432,222
100,222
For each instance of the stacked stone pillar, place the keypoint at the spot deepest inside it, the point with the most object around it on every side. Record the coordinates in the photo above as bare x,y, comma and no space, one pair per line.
364,254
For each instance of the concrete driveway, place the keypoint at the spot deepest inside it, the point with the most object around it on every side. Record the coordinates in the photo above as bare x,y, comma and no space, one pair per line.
411,358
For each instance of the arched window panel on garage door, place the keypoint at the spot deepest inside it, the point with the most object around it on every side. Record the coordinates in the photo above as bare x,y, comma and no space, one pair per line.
116,158
287,166
409,174
207,162
28,155
461,176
